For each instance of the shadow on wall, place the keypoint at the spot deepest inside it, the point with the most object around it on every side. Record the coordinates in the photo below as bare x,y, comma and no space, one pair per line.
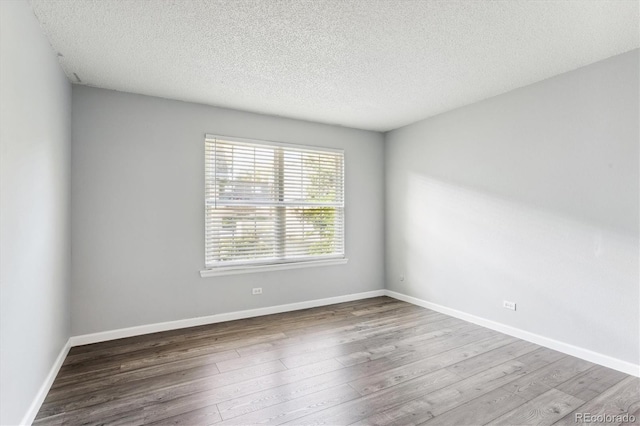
572,281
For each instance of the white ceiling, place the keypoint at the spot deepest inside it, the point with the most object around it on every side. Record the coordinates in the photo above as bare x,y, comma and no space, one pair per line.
369,64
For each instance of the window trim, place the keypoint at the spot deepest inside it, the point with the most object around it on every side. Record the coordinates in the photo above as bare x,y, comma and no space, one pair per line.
247,269
282,264
309,148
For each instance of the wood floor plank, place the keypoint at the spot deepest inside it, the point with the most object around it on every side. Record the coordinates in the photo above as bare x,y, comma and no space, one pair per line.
183,341
417,349
545,409
634,418
111,418
295,408
368,319
170,404
375,343
203,417
326,348
337,328
591,383
377,361
303,318
376,309
154,356
146,379
497,356
268,397
480,410
425,406
540,358
114,398
99,381
620,399
358,409
283,393
542,380
409,371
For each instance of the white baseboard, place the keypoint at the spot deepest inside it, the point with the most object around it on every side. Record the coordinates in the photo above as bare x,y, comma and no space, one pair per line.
86,339
578,352
46,385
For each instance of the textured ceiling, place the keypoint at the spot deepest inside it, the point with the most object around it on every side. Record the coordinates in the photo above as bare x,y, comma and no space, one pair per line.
371,64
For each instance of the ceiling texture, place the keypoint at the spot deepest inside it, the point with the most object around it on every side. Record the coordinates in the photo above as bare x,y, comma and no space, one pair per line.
368,64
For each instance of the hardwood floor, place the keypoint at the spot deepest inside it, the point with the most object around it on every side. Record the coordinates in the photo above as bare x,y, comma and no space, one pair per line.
370,362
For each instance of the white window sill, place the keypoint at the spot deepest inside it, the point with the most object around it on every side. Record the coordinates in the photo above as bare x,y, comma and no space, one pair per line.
248,269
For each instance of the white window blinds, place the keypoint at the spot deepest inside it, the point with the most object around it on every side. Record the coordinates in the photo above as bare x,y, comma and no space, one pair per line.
268,203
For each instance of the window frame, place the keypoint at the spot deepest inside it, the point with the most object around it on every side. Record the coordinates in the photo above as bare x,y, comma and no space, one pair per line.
250,266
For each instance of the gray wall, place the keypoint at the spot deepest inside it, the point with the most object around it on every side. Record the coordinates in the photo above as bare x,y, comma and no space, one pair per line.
35,113
138,212
531,197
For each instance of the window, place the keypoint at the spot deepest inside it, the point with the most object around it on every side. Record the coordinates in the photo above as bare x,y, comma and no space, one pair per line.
269,203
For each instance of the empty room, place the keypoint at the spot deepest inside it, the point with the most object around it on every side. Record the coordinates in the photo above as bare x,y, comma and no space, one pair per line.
305,212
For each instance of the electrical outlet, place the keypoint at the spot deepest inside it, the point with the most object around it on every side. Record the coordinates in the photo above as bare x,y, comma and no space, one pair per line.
257,290
401,277
509,305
